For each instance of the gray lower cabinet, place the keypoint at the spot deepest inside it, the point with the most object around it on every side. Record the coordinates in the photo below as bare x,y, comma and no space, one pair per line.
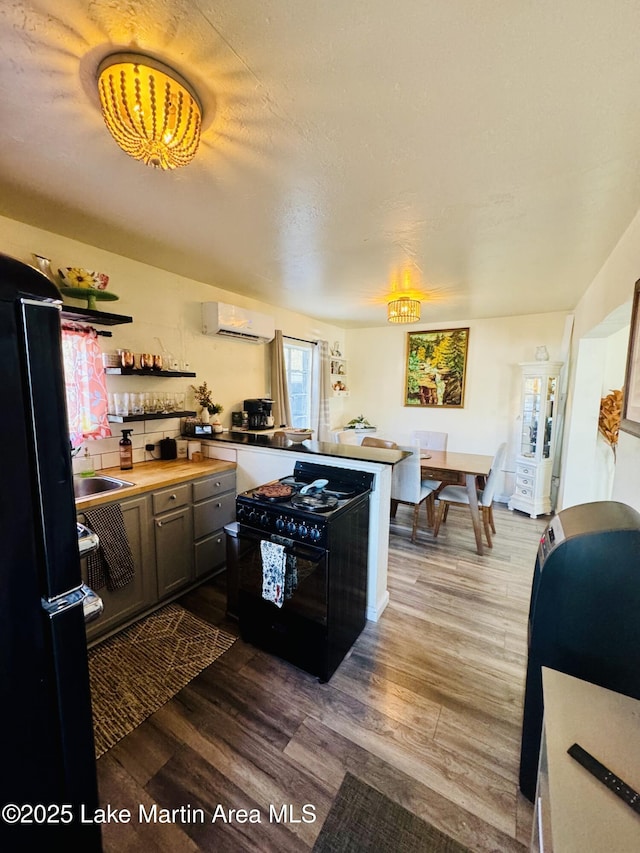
173,533
214,505
121,605
176,537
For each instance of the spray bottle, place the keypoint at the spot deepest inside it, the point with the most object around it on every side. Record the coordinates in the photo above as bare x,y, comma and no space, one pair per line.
126,451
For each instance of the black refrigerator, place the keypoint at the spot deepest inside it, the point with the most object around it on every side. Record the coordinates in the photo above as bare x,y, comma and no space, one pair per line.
48,787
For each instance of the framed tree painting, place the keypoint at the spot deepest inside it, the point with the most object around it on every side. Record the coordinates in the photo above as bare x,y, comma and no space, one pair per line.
436,368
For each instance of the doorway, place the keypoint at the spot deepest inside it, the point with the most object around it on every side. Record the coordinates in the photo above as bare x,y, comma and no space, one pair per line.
589,467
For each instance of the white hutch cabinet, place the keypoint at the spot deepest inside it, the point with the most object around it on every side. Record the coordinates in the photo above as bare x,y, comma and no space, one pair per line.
537,439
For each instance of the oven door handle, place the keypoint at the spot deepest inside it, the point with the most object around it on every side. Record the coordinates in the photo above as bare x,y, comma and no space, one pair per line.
299,549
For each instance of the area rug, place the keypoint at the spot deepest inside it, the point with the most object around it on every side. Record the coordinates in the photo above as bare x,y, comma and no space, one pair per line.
138,670
362,819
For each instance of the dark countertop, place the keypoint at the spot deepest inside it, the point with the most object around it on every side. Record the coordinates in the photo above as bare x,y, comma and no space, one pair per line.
313,448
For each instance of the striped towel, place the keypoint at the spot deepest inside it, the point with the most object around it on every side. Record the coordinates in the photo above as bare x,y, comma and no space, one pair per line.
112,563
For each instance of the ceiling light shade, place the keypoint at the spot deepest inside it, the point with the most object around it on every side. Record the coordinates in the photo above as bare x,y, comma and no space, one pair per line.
150,110
403,310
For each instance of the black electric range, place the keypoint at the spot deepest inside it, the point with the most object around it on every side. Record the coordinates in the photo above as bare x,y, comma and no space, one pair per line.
324,540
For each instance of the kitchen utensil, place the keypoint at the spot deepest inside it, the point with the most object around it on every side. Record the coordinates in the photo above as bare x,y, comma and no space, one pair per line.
312,488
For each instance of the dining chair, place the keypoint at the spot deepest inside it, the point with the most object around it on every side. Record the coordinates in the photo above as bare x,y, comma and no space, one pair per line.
348,436
429,440
370,441
407,487
432,440
457,496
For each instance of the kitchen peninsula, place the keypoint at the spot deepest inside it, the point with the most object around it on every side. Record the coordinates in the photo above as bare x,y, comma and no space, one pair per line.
261,458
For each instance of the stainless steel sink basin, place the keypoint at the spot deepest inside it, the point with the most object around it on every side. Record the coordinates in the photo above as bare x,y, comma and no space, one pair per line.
97,485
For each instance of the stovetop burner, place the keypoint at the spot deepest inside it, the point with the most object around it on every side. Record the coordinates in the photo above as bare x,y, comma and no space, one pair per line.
320,502
302,517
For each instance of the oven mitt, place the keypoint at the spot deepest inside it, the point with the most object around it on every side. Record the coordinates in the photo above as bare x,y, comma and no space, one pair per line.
274,567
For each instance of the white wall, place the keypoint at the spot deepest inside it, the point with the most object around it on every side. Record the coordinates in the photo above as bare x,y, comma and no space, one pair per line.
166,307
606,303
492,392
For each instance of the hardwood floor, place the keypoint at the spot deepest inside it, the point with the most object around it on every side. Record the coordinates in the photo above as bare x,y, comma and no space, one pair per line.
426,708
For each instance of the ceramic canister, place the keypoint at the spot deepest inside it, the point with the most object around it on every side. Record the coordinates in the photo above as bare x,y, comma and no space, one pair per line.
194,447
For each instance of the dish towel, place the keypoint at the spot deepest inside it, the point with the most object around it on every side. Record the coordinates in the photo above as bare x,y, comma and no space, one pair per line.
112,564
274,569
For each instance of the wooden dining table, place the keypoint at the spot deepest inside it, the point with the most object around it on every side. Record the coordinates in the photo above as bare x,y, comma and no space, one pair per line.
450,465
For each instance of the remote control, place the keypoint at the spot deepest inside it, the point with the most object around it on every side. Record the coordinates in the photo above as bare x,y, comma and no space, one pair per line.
604,775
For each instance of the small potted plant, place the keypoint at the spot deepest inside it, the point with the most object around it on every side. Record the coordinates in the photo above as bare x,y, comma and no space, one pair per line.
203,393
359,423
215,410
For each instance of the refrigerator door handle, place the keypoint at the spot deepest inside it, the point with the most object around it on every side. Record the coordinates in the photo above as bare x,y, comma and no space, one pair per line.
88,542
92,604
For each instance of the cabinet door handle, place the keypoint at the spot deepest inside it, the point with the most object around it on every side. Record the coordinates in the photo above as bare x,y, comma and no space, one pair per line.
173,497
158,524
217,485
218,504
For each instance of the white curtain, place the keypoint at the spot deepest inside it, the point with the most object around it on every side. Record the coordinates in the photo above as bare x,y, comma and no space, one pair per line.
279,389
320,391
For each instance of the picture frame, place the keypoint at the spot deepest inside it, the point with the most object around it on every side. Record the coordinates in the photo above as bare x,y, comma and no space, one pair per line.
630,421
436,368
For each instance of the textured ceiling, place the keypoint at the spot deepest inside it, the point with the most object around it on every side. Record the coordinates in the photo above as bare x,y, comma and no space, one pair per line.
482,153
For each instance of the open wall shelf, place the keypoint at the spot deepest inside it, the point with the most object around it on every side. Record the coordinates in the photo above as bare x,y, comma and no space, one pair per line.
155,416
90,315
137,371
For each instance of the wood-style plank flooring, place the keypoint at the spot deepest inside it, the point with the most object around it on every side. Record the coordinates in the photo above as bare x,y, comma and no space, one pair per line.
426,708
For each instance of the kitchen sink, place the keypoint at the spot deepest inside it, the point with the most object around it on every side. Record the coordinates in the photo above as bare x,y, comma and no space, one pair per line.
97,485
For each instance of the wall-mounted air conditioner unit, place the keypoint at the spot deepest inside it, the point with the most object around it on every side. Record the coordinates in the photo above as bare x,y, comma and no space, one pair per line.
219,318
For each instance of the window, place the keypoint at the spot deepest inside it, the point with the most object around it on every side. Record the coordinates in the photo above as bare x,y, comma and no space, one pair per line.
297,357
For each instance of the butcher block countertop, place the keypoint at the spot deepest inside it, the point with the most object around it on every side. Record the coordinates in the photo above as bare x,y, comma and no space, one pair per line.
147,476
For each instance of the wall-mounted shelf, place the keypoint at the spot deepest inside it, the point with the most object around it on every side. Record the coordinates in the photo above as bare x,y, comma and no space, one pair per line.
339,377
137,371
89,315
125,419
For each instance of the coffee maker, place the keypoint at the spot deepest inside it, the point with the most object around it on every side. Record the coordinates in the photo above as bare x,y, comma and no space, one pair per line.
258,410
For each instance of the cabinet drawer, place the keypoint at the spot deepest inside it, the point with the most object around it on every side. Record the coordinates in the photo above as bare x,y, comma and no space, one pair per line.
525,482
173,498
213,514
438,474
214,486
525,491
525,471
210,553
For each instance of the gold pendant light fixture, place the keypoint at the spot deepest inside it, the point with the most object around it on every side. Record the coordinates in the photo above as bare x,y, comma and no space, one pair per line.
150,110
404,309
